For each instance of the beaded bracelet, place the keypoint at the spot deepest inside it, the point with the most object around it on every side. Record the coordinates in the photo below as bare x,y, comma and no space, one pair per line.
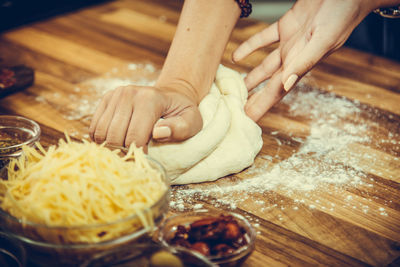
245,7
389,12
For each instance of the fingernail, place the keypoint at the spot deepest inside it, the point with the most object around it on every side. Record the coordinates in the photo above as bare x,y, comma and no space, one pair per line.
161,132
234,56
290,82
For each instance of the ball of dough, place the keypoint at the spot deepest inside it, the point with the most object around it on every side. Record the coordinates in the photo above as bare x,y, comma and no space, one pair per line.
228,142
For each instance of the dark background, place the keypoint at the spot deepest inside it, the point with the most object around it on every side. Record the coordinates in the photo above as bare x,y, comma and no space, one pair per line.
377,35
17,12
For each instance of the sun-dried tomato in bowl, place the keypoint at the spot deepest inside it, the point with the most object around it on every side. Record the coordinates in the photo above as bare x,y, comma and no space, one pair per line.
216,236
226,239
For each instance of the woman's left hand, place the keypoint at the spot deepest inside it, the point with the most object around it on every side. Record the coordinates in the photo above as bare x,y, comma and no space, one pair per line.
308,32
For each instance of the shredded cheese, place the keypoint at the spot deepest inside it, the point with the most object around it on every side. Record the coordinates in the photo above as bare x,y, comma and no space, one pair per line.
81,184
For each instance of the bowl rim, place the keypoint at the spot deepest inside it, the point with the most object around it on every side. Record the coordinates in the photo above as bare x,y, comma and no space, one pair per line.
34,125
21,259
163,197
217,259
114,241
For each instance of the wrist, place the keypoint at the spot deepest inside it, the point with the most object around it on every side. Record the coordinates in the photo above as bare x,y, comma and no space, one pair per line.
388,9
179,86
383,3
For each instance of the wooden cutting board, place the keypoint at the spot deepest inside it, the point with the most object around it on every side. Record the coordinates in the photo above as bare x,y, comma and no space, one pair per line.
348,107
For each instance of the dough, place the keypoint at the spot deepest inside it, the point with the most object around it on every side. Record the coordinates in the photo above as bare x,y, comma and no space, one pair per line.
228,142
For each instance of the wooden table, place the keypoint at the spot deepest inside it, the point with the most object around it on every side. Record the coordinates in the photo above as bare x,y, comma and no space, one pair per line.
317,227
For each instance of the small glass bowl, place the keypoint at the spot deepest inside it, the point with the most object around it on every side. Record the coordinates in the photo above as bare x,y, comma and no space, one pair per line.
169,227
16,131
12,253
140,255
45,245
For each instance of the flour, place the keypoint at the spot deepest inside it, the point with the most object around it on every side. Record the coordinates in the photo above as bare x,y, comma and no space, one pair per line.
311,166
322,160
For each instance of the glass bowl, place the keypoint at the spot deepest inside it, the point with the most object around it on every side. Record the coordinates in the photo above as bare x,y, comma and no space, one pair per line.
12,253
169,227
46,246
143,255
16,131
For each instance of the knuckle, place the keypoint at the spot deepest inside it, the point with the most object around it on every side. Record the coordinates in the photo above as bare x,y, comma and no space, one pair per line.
99,137
146,94
309,64
131,138
101,129
265,65
308,35
111,136
124,90
128,91
121,115
113,140
181,129
120,91
91,133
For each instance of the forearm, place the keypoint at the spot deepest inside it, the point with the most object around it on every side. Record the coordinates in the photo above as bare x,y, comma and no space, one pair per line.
387,3
200,40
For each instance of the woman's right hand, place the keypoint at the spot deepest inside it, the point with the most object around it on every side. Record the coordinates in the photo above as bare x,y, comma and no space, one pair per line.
131,114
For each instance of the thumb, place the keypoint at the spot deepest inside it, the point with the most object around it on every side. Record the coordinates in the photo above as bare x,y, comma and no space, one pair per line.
178,127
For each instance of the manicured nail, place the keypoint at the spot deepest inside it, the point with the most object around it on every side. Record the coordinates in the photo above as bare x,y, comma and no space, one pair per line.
235,56
161,132
290,82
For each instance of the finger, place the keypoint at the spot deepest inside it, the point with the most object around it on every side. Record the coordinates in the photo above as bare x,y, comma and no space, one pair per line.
146,112
104,121
291,48
263,71
260,102
264,38
179,127
97,114
120,122
306,59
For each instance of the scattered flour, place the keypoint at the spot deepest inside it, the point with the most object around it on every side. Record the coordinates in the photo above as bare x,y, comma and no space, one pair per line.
312,165
323,159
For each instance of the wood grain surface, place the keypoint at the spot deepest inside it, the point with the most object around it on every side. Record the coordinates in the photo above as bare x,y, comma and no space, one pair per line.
295,228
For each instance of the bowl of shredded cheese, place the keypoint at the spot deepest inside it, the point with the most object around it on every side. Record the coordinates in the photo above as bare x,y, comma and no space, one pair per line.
77,199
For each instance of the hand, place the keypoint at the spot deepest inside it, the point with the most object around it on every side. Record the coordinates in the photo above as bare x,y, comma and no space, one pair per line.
131,114
309,31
